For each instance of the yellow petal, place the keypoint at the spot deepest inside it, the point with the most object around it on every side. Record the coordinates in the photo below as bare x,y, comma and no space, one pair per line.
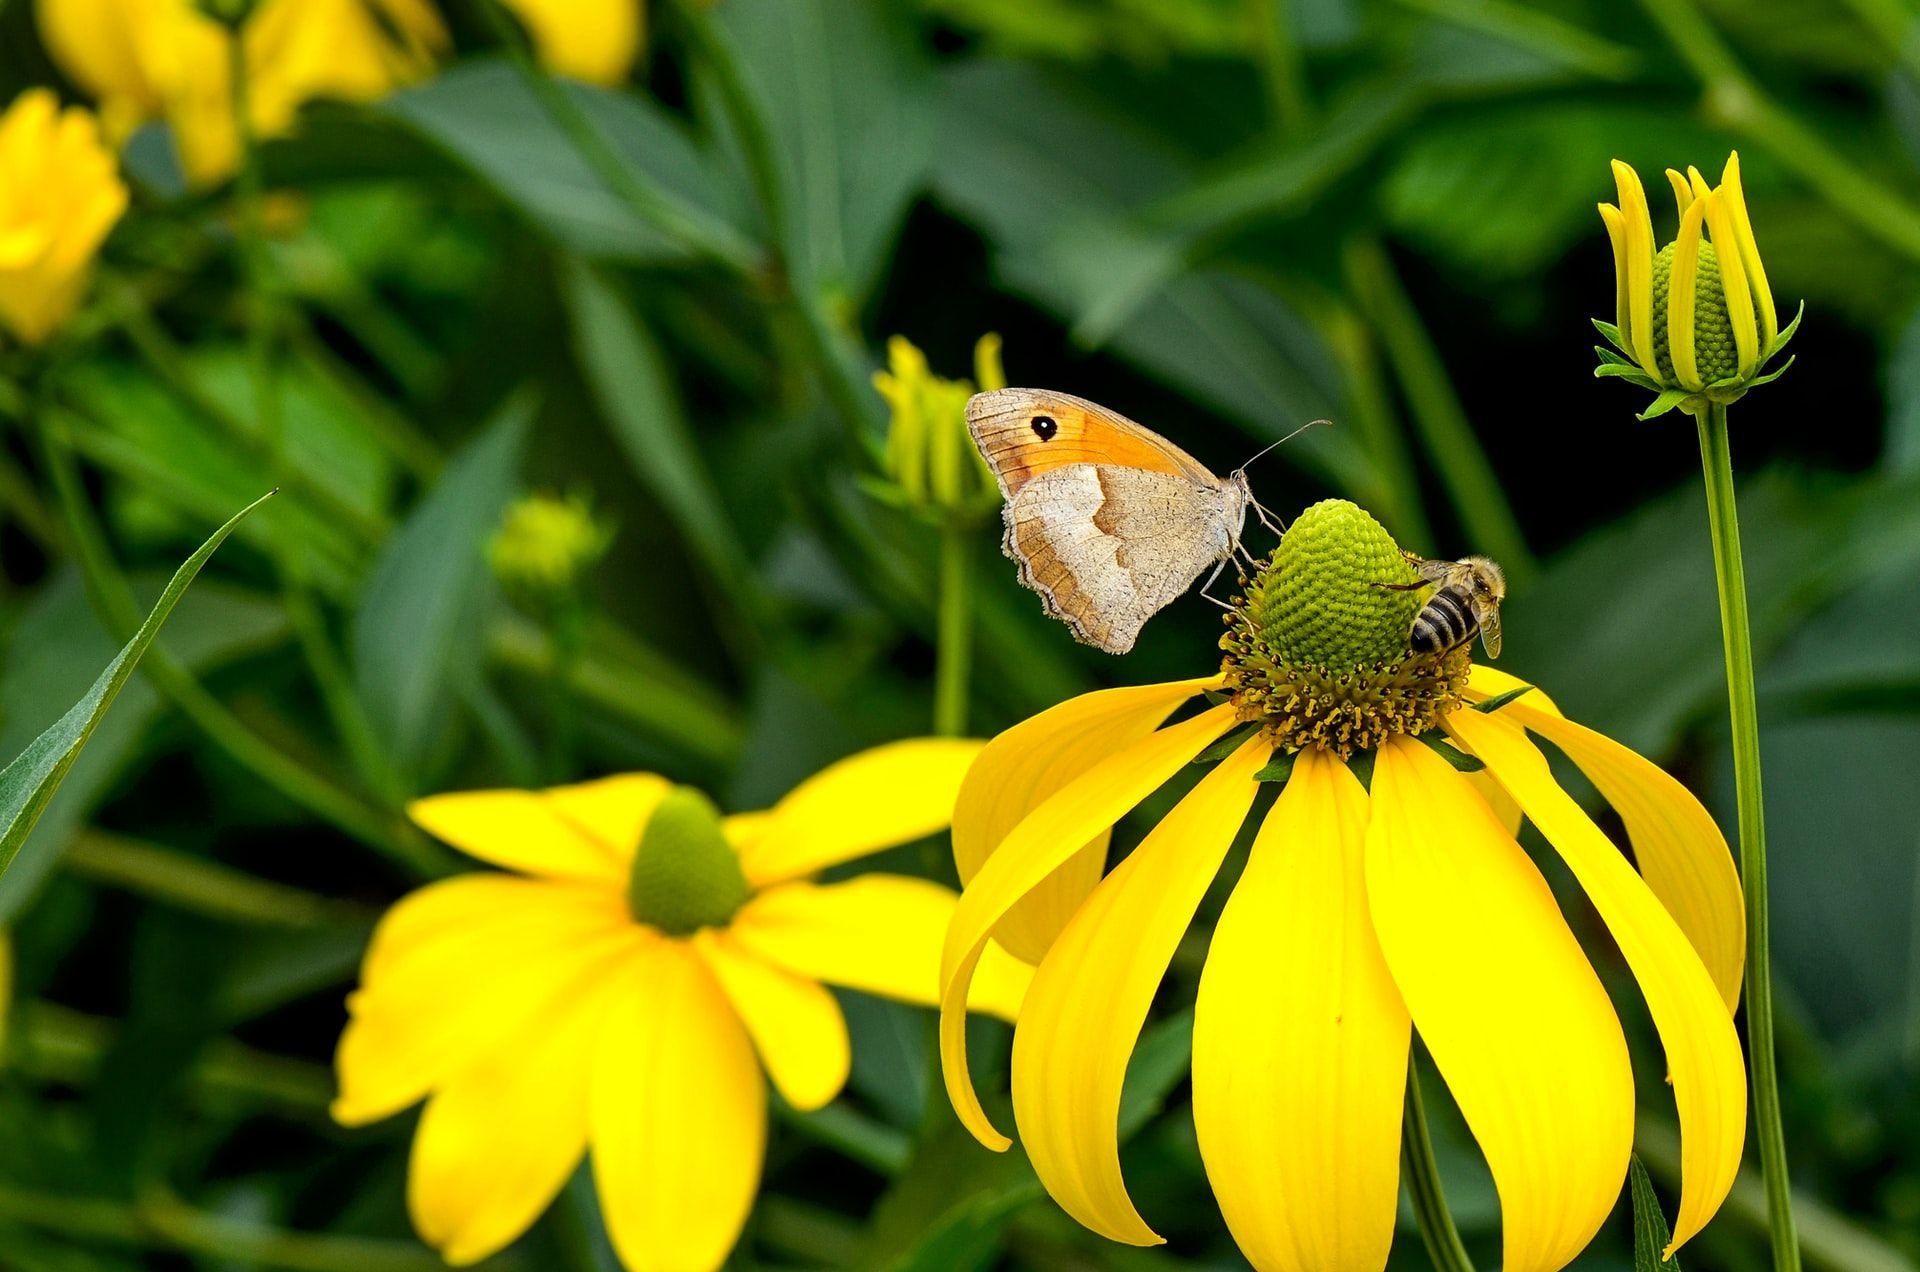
796,1026
498,1142
1736,199
1038,846
1682,191
1703,1053
1300,1041
1682,279
1029,762
1090,998
1733,281
1697,183
592,40
585,833
879,934
891,795
1485,682
1638,223
1622,291
679,1118
1681,852
1503,997
438,997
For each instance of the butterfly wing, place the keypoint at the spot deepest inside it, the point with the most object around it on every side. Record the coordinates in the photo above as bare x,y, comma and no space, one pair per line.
1107,547
1024,433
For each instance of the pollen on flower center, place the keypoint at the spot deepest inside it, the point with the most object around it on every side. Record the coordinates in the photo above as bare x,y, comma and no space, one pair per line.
1316,650
685,874
1714,353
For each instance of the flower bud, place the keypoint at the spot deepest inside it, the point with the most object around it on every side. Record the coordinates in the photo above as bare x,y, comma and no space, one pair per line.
930,457
544,547
1695,322
60,196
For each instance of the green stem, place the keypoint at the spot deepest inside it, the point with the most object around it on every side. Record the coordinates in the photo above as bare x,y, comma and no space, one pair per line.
953,648
256,261
202,886
1285,68
1716,460
1438,415
1443,1242
568,634
1396,497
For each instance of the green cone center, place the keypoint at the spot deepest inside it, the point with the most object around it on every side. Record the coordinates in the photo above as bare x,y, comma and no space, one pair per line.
1715,356
685,875
1317,647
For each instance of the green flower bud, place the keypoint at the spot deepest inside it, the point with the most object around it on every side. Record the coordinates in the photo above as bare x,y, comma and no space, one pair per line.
930,460
544,547
685,874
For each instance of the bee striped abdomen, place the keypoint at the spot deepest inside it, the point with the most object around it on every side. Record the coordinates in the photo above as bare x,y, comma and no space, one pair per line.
1445,621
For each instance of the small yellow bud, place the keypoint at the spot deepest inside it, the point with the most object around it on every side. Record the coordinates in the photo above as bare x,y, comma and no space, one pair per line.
60,196
930,457
545,545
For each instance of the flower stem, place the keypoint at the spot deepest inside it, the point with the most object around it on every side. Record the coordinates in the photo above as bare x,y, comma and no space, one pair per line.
953,651
1716,461
1443,1242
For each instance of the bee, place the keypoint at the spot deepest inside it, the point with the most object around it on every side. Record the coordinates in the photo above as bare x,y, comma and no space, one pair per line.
1467,599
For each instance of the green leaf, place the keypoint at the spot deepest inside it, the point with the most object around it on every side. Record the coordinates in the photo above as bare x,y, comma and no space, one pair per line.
1786,332
1613,357
1650,1234
1460,760
415,628
1630,373
1223,747
1772,375
1500,700
28,784
1279,768
1612,333
636,394
1160,1061
1664,403
482,113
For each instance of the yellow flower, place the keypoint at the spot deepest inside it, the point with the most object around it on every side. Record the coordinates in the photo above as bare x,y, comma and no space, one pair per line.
626,987
60,196
1695,322
1382,894
930,459
593,40
544,545
164,59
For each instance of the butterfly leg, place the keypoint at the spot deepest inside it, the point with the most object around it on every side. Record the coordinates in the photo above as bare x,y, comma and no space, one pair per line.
1267,519
1206,588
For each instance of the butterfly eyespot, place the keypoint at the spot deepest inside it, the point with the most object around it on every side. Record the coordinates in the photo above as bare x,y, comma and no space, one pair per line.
1044,428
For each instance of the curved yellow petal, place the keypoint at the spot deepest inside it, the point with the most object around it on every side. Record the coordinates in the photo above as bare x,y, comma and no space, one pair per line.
1617,236
1680,850
1697,183
1515,1018
1682,192
498,1141
1736,198
1029,762
586,833
440,998
1637,220
1300,1041
1485,682
879,934
679,1117
1038,846
1733,281
1091,995
796,1025
1681,287
1703,1052
890,795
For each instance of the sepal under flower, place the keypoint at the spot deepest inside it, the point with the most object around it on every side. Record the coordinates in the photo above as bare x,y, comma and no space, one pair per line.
1694,323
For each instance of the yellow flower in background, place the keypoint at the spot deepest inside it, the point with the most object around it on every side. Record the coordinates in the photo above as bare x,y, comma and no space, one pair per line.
545,545
1694,322
593,40
1381,895
164,59
626,987
60,196
930,458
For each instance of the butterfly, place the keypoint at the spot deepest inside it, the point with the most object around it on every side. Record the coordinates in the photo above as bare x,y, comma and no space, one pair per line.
1108,520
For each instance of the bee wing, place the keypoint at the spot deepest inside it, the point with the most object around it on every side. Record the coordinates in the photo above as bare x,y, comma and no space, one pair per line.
1487,613
1429,571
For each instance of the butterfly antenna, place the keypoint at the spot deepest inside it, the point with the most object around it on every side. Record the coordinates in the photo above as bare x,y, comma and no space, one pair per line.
1283,441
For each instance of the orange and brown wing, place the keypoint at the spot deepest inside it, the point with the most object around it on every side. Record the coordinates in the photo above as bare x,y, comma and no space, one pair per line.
1026,432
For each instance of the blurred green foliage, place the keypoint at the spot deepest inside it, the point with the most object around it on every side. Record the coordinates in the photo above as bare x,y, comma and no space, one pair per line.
1223,218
